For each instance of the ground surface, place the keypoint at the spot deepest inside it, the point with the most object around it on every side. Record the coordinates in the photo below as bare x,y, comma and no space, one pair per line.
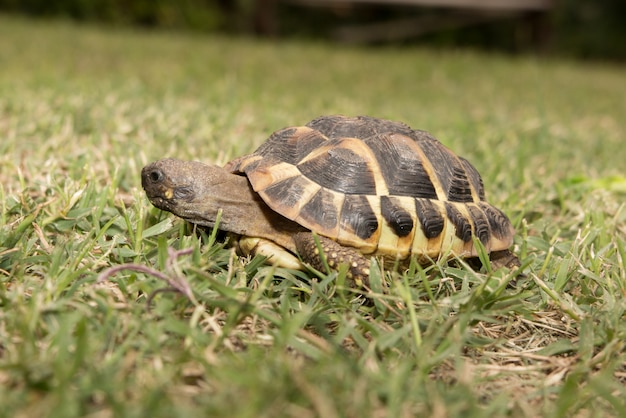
83,109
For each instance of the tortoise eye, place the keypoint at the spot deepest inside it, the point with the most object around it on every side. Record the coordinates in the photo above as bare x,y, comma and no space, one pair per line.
156,176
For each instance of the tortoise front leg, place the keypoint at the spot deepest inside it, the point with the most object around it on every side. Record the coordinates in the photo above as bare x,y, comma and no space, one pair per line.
335,254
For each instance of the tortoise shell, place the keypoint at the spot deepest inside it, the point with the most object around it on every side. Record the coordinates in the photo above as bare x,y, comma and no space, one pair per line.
376,185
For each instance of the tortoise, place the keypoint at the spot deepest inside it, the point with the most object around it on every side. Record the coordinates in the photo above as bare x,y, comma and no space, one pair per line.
353,187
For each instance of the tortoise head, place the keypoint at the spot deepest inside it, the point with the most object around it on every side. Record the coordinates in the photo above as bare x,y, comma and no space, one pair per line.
196,192
188,189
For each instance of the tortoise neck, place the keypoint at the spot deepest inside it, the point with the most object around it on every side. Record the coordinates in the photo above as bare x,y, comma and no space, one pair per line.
245,213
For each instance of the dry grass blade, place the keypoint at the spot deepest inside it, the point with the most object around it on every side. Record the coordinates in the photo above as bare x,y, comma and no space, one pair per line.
173,277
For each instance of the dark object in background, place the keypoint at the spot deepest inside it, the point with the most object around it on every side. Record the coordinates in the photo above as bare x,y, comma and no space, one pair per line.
377,21
580,28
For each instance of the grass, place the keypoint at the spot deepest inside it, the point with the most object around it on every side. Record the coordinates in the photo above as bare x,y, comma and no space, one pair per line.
82,109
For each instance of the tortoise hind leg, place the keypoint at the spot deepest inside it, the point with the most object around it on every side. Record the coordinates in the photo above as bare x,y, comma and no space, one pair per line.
335,254
504,258
497,259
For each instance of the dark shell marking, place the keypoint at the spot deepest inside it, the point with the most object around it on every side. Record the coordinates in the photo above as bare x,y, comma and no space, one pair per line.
376,185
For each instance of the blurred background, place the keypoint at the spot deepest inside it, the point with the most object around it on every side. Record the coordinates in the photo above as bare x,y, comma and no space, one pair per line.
589,29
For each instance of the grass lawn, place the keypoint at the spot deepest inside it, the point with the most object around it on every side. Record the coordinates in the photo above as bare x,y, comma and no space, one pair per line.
82,109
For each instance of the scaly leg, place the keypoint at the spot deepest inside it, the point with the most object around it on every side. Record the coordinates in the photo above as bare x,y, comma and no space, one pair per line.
335,254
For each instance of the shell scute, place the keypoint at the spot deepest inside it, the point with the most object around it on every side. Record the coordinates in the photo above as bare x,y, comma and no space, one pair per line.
288,191
431,219
481,224
291,145
340,166
459,189
461,223
474,178
358,127
499,224
359,217
322,209
402,166
399,219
